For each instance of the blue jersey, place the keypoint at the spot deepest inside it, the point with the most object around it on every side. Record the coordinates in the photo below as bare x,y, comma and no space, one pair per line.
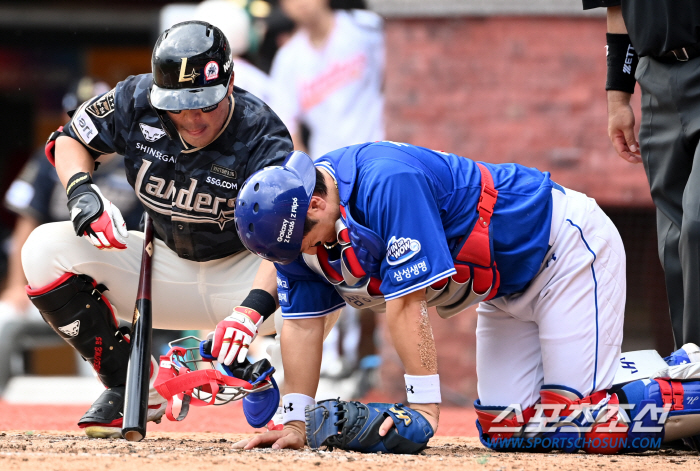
422,203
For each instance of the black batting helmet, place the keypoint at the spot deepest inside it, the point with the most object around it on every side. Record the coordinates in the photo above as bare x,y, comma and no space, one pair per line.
192,67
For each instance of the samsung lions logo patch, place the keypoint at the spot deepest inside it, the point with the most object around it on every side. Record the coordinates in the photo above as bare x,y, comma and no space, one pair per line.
72,329
400,250
150,133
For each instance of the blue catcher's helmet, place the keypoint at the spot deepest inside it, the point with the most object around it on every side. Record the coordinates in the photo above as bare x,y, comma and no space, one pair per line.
271,208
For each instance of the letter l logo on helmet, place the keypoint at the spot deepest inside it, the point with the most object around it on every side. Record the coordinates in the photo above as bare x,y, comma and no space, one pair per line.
191,76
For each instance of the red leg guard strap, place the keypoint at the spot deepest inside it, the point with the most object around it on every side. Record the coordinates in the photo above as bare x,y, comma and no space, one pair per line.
671,393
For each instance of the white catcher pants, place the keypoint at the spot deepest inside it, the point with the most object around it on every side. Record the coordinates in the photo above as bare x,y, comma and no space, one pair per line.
566,327
186,295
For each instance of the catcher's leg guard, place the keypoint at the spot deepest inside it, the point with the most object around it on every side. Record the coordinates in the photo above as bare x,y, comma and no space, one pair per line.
75,308
501,428
590,423
652,399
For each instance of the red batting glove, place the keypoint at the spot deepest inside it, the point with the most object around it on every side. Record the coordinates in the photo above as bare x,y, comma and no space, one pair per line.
94,216
233,335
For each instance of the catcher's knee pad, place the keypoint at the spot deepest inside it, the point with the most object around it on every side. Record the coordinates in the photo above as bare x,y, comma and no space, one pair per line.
592,423
75,308
355,426
502,428
563,420
652,401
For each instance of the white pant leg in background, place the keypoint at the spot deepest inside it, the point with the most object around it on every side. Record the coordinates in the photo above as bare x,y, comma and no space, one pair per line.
274,350
186,295
577,304
346,334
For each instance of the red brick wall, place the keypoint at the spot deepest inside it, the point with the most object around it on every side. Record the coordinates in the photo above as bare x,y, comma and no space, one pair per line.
510,89
527,90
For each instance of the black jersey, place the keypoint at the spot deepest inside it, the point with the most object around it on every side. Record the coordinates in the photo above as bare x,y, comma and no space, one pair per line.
657,26
38,193
189,192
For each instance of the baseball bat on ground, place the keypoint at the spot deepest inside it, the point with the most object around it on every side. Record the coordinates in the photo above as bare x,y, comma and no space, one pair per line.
138,372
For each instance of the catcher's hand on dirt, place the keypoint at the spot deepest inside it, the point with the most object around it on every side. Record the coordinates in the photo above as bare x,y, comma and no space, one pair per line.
94,216
356,426
290,437
233,335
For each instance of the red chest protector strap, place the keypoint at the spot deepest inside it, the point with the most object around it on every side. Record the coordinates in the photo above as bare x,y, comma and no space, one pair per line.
476,250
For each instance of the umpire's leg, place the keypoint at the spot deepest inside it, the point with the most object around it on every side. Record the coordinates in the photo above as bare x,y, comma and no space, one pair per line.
668,162
689,252
688,103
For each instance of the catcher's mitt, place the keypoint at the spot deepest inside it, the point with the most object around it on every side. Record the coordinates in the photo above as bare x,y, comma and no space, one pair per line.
355,426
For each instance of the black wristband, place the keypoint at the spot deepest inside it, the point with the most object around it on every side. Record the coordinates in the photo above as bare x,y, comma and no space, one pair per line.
80,178
261,301
622,63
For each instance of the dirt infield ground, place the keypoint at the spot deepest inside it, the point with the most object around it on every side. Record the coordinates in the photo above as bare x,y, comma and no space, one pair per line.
56,451
42,437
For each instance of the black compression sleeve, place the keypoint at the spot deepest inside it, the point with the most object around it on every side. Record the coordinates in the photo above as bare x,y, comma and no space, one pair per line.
261,301
622,63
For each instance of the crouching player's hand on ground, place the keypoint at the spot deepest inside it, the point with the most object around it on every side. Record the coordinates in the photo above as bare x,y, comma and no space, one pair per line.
292,436
302,345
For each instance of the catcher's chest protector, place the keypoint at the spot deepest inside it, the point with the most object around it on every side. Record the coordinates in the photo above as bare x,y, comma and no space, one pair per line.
355,271
355,267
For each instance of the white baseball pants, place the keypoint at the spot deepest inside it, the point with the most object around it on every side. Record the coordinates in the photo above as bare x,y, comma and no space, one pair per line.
566,327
